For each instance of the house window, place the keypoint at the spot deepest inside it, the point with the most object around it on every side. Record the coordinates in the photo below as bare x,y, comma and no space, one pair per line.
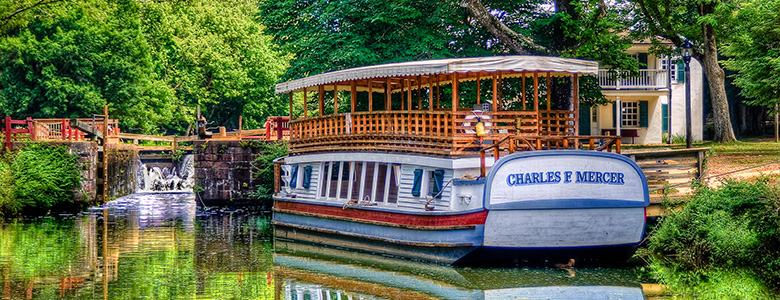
676,74
630,113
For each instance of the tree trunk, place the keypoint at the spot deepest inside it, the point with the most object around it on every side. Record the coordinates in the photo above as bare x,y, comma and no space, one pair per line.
716,79
517,42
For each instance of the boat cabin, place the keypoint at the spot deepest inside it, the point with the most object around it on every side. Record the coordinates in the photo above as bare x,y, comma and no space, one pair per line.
449,107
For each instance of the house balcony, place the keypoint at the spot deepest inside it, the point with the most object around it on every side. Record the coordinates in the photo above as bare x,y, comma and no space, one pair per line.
648,79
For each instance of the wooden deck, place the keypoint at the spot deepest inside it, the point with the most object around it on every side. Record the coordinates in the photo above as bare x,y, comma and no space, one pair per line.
444,133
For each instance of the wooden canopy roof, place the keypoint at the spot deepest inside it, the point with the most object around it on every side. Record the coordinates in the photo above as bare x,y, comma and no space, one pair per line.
513,65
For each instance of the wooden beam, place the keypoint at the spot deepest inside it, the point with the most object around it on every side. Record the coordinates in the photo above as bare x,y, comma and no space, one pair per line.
409,95
305,105
536,91
536,106
430,94
576,102
495,93
525,100
335,99
478,88
549,91
403,103
353,99
321,96
388,105
438,92
455,94
291,105
370,95
419,92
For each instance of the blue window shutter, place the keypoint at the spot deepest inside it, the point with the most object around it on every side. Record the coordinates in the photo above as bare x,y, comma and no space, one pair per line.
438,180
614,116
584,120
294,177
665,114
643,114
417,182
680,71
307,177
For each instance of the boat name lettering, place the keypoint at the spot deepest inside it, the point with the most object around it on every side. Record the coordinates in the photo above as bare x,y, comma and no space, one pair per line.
557,177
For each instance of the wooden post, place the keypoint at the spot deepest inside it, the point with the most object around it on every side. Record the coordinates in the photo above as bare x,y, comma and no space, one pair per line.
482,162
240,125
305,105
536,101
353,95
455,93
31,128
291,105
438,92
335,99
370,95
525,100
105,153
388,104
321,96
495,93
478,92
409,94
419,93
549,91
403,103
8,133
64,130
430,94
455,102
576,102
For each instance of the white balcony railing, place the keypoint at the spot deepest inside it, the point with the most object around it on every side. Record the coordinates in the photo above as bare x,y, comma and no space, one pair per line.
647,79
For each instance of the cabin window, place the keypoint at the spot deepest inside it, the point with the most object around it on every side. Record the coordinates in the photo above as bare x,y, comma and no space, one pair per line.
375,182
293,176
307,177
417,183
435,184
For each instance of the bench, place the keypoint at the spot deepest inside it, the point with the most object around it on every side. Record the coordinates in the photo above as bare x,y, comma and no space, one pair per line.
624,132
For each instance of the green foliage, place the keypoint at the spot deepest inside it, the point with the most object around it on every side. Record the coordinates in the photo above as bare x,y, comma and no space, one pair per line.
754,51
732,227
263,170
37,178
152,62
44,248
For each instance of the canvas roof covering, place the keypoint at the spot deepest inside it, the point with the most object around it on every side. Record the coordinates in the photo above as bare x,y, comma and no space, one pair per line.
557,66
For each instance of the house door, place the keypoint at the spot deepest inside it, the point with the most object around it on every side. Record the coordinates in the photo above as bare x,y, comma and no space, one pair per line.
594,120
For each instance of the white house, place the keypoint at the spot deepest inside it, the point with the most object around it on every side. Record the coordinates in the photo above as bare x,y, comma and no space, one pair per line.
644,101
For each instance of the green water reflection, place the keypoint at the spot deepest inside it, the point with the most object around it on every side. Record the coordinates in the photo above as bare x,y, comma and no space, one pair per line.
161,247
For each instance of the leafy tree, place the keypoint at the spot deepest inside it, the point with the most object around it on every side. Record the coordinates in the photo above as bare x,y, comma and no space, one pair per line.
332,35
75,60
754,51
214,54
701,22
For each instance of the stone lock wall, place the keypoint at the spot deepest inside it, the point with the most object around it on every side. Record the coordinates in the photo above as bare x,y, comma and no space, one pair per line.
223,172
122,169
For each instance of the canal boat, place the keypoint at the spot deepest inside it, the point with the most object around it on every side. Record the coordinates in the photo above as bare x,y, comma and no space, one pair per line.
491,169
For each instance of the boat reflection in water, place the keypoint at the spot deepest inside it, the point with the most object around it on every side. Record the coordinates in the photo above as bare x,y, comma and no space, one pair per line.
318,273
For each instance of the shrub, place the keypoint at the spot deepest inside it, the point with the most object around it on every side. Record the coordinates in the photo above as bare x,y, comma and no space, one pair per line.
732,227
263,169
38,178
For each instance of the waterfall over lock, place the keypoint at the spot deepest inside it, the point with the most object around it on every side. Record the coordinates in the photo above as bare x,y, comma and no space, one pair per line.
177,178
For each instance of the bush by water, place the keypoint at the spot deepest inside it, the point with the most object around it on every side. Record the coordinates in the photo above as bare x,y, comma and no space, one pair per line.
727,237
38,178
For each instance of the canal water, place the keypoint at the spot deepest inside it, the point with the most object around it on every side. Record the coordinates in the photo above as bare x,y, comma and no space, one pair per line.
161,246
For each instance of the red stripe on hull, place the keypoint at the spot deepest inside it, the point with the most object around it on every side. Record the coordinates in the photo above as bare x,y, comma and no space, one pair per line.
473,218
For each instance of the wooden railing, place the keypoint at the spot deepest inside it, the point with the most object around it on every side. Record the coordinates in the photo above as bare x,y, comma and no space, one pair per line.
511,144
50,129
653,78
433,132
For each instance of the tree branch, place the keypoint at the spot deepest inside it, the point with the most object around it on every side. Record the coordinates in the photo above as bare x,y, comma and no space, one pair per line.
517,42
7,19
